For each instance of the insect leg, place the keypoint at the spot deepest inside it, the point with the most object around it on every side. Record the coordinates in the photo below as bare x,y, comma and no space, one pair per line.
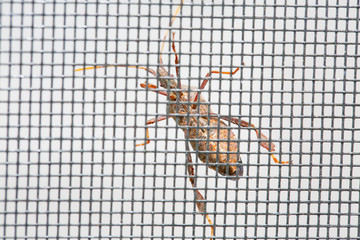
151,121
264,143
153,88
199,198
205,81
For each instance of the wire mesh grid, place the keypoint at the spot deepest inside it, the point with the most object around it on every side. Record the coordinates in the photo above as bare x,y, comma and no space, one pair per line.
69,167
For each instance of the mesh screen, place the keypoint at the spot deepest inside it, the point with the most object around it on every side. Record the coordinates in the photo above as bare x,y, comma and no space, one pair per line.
69,167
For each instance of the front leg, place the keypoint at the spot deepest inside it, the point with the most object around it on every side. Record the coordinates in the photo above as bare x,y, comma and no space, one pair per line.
151,121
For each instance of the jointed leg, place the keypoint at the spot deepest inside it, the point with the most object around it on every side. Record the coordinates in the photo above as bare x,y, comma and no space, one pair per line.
199,198
151,121
264,143
152,87
205,81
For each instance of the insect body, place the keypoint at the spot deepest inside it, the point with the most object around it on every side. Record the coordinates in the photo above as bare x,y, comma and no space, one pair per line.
207,133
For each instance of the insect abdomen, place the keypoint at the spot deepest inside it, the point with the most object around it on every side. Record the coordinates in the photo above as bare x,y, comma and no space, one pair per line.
214,146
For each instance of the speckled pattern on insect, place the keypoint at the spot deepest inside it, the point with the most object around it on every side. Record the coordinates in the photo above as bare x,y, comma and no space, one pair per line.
207,132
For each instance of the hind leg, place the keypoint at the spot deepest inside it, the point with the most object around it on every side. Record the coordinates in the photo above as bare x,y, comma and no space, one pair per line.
265,141
199,198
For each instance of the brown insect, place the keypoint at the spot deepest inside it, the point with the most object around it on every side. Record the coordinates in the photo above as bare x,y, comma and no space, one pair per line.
206,132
